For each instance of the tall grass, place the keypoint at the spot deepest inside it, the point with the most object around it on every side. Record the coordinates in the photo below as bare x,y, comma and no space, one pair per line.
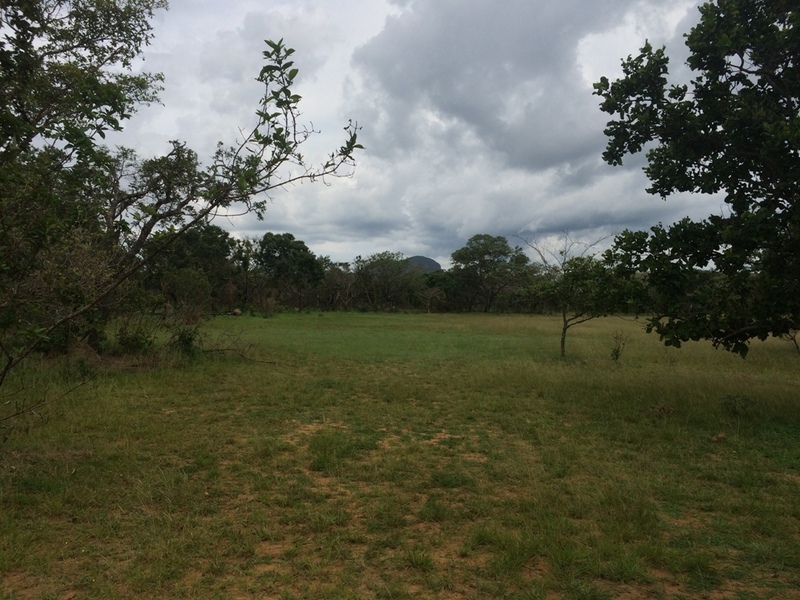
413,456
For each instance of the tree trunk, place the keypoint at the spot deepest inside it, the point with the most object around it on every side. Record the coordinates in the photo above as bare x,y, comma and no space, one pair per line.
564,327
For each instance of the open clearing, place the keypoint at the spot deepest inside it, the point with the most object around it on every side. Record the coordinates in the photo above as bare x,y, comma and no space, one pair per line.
411,456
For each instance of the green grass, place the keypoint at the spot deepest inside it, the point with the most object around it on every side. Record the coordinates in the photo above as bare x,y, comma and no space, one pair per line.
409,456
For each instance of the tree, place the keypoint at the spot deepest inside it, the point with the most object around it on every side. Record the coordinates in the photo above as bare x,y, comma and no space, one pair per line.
733,129
386,280
288,264
337,288
76,217
430,296
206,250
64,81
441,291
488,265
578,286
581,289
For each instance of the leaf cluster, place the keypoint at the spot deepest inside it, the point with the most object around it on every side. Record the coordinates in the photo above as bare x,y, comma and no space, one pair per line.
734,130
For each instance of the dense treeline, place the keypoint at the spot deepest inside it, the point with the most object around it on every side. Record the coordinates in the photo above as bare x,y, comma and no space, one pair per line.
209,272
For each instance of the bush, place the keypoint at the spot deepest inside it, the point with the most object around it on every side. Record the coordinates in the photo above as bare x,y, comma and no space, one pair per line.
134,337
184,338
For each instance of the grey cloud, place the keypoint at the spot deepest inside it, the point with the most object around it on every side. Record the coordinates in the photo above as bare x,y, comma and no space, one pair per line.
236,54
505,71
477,116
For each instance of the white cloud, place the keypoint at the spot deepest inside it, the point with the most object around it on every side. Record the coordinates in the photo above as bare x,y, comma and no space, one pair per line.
600,52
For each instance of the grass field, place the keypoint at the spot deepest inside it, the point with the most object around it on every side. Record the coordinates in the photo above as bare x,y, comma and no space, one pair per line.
412,456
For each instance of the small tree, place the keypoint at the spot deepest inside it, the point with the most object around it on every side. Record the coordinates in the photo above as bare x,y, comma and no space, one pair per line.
576,285
581,289
244,266
430,296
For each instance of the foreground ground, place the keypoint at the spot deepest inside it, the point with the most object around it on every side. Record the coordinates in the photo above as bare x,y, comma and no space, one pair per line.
411,456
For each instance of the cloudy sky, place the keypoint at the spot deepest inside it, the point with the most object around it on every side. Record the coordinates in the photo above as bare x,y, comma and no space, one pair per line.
477,115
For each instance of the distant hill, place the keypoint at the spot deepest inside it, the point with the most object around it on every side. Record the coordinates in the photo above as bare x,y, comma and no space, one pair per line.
425,264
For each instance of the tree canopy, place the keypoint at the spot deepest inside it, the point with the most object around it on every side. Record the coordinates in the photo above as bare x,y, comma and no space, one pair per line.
578,286
490,265
287,262
733,130
385,280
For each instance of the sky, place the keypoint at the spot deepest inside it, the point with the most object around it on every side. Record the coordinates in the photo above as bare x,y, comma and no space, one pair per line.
477,116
